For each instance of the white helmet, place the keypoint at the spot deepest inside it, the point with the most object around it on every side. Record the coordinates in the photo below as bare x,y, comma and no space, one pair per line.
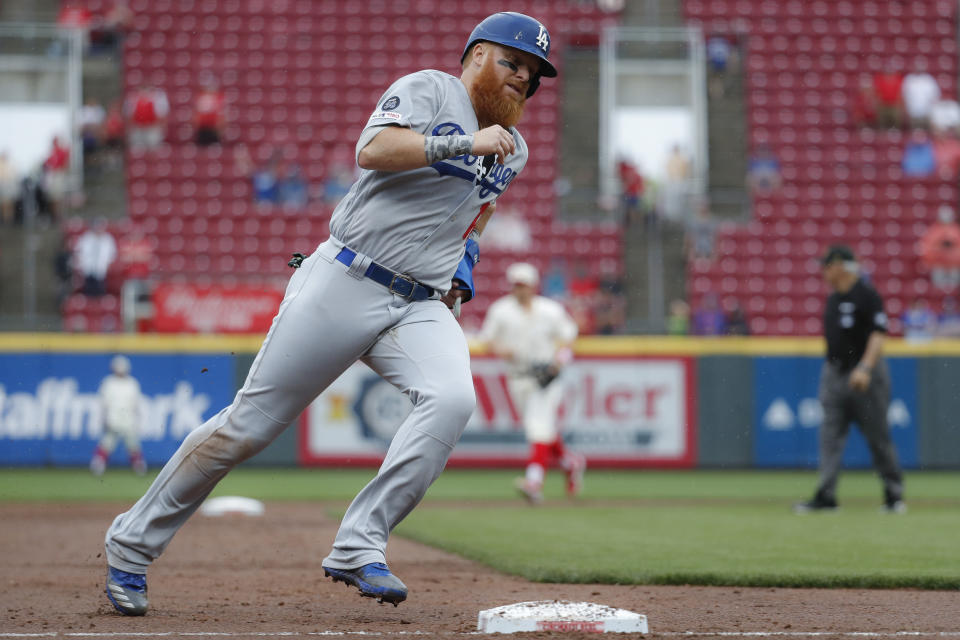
120,365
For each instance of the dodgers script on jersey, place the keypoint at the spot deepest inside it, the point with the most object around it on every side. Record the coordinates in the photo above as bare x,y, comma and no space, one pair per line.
416,222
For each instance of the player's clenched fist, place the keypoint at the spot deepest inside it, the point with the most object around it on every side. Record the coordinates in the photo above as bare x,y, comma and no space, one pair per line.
493,139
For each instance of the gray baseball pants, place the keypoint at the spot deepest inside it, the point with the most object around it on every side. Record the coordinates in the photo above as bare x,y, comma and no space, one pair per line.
330,317
841,406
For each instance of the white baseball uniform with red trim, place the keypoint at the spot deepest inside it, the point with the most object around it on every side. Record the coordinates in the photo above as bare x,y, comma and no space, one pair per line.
531,336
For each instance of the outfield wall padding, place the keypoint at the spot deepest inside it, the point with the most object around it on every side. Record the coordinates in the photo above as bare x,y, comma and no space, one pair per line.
751,401
725,429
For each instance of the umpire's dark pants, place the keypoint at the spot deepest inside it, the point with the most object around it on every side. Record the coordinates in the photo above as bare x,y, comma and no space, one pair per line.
841,406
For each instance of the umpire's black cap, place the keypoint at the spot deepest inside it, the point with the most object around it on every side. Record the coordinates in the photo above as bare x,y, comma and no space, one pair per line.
838,252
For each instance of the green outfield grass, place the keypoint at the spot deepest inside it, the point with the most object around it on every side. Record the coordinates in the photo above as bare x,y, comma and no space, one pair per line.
648,527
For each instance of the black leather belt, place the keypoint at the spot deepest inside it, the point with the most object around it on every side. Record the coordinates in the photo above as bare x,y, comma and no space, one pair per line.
399,284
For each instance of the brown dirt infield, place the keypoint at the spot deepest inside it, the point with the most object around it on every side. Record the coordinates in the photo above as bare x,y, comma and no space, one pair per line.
237,576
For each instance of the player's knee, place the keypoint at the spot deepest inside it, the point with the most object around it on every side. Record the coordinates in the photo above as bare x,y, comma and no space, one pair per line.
455,403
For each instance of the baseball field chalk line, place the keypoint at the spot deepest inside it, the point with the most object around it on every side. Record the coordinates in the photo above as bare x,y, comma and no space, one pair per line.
380,634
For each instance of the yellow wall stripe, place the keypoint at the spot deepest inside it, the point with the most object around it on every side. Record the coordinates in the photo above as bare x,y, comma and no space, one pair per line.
586,346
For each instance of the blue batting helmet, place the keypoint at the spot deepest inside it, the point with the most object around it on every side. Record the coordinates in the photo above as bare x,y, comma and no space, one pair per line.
519,31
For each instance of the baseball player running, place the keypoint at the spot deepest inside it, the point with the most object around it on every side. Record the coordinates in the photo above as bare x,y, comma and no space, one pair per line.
120,399
436,151
534,334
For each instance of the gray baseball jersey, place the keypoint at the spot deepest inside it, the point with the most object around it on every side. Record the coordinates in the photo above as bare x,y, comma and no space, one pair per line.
416,222
332,315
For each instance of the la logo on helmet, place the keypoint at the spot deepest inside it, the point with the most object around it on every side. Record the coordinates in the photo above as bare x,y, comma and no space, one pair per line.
543,40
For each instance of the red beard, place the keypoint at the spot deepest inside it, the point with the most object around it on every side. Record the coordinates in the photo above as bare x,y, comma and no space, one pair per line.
489,101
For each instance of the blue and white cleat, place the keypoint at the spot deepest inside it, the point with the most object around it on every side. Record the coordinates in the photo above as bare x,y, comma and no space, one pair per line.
374,580
127,592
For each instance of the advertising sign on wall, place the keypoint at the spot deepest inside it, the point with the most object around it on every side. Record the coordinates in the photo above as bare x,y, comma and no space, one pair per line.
788,414
616,411
50,412
188,308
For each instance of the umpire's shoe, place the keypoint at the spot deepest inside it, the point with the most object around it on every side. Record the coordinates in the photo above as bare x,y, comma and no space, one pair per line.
127,592
819,502
374,580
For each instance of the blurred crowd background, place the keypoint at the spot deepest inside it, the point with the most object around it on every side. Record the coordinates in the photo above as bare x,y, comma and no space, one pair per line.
207,140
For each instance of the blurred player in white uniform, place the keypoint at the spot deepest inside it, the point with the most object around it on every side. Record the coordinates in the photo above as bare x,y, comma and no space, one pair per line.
534,335
120,398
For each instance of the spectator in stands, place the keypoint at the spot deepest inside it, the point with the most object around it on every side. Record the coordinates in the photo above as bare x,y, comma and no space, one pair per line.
631,190
919,321
338,182
940,250
945,118
887,84
736,320
292,187
583,286
72,16
948,325
920,91
719,49
946,153
109,31
919,160
93,254
209,114
673,202
9,188
92,119
708,319
554,280
721,55
266,182
865,104
610,304
56,173
146,111
678,322
114,135
763,171
700,235
63,269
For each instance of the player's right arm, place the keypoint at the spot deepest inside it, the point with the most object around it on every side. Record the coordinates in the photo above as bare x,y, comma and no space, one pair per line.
397,148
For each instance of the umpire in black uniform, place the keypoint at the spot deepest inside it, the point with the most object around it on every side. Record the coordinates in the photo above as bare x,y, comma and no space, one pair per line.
854,381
